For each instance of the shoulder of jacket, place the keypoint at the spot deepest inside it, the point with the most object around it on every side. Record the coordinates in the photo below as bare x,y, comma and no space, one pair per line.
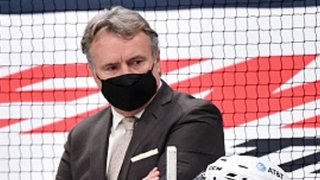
96,119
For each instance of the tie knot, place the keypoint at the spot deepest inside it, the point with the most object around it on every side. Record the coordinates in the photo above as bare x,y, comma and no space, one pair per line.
128,123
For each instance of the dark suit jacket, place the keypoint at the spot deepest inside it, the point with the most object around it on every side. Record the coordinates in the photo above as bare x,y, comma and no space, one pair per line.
194,126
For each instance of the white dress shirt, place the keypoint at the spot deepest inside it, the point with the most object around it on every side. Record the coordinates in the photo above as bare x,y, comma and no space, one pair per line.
116,131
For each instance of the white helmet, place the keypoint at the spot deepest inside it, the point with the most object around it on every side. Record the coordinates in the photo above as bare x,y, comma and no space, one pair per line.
239,167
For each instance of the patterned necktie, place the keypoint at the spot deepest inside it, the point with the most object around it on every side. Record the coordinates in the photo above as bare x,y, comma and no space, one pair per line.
120,148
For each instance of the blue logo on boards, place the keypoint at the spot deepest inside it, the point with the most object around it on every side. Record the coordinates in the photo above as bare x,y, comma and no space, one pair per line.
261,167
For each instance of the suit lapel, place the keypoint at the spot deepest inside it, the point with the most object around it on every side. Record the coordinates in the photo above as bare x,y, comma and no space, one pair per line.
99,145
148,121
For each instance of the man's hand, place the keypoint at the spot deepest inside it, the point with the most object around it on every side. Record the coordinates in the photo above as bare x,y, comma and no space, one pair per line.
154,174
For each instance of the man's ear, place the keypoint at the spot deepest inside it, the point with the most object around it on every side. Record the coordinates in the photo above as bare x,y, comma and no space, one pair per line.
158,61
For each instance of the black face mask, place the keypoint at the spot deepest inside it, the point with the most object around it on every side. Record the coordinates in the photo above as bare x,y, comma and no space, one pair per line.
130,91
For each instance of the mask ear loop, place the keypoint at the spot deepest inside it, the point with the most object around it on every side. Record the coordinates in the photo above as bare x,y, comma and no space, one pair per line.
98,77
152,66
154,62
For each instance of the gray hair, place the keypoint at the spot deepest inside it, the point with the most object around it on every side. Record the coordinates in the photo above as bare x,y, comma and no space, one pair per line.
119,20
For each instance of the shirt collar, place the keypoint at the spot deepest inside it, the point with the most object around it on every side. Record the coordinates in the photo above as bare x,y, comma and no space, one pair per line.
117,117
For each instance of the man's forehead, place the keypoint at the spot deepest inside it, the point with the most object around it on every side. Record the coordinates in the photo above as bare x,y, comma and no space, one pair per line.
121,35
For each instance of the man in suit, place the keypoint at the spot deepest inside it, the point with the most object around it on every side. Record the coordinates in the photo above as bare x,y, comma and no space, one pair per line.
124,57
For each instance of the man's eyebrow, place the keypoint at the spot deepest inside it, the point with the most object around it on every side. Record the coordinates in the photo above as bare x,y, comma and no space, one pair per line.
110,64
137,57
